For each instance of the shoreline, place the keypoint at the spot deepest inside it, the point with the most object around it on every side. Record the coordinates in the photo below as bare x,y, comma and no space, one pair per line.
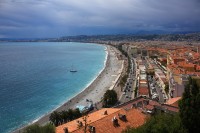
79,98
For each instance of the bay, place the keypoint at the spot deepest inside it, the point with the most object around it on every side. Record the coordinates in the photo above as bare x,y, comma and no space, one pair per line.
35,77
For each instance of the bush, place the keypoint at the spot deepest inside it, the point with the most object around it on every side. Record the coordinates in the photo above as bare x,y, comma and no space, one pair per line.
48,128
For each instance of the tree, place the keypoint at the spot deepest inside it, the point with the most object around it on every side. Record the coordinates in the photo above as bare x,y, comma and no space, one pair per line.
58,118
189,107
85,123
123,80
167,88
109,98
151,73
136,90
33,129
55,118
77,113
48,128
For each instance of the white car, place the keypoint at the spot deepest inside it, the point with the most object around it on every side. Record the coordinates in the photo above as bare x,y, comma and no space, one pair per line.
154,97
149,111
154,93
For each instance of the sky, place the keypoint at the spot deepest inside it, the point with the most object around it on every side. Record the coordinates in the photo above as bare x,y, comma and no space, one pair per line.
57,18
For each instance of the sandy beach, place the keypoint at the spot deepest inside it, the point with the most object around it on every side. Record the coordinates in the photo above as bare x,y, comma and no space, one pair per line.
95,91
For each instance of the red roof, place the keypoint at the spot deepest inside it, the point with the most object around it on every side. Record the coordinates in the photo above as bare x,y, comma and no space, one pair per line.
150,107
173,101
197,67
72,125
135,118
143,91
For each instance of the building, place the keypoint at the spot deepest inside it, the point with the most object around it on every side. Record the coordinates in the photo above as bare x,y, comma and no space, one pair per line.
142,86
133,113
106,120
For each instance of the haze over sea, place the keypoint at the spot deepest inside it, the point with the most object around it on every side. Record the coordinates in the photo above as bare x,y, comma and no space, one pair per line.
35,77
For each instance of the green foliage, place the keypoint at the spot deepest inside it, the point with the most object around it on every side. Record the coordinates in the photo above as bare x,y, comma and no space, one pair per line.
109,98
123,80
187,121
154,57
161,123
129,65
167,88
121,50
58,118
33,129
136,89
152,73
85,123
189,107
48,128
164,63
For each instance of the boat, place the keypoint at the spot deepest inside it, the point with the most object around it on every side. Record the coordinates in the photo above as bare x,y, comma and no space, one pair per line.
73,70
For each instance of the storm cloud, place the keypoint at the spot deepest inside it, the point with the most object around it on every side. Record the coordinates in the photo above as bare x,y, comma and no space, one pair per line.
54,18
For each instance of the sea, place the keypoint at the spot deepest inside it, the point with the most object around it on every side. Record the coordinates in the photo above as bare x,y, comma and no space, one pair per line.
35,77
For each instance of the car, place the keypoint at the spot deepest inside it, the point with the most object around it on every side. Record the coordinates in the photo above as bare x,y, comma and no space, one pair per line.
152,86
155,94
149,111
154,97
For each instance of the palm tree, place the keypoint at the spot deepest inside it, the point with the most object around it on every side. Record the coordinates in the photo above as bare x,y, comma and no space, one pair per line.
55,118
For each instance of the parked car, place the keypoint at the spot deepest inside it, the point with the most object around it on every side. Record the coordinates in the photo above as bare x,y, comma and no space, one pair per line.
155,94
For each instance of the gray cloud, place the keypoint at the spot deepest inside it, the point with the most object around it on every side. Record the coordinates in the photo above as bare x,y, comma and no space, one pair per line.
52,18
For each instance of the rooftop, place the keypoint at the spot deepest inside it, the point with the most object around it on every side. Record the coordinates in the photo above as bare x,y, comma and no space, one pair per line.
173,101
72,125
103,122
143,91
135,118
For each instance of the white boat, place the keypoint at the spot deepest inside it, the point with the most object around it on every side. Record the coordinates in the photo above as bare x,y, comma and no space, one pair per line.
73,70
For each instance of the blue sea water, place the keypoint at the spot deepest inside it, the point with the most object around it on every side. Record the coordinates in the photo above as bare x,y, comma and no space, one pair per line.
35,77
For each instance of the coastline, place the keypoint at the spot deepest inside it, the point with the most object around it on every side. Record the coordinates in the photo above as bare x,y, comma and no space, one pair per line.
94,90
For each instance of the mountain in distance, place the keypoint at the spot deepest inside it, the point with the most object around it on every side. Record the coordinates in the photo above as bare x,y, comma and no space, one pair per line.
138,36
